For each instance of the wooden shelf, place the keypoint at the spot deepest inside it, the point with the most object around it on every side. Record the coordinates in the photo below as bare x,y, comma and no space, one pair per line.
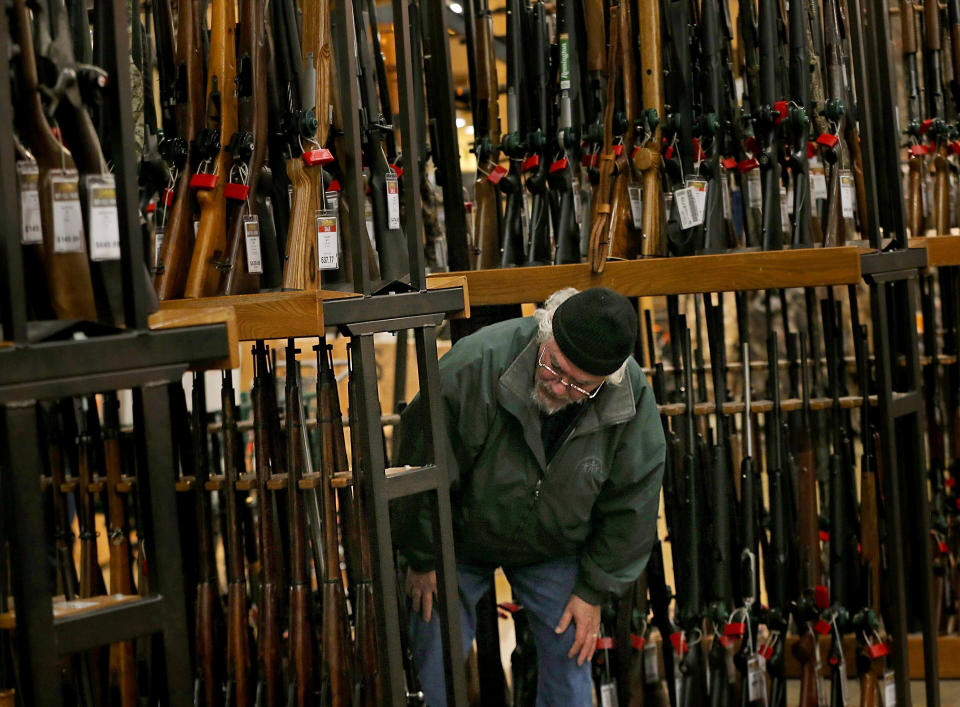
753,270
173,318
941,250
761,406
63,609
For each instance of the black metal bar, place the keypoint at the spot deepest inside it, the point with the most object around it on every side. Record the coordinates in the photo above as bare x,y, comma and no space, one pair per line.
13,307
896,621
136,299
891,262
454,21
344,45
913,467
353,310
392,324
906,404
413,221
414,480
86,385
111,624
447,584
440,101
157,488
32,589
375,491
130,351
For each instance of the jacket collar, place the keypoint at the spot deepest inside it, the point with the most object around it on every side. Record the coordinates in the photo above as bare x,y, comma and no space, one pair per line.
613,405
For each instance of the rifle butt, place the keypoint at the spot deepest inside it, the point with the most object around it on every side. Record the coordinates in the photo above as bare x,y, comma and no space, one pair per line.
176,250
652,242
301,645
206,647
238,643
270,646
487,221
210,247
368,656
869,690
915,197
941,192
299,272
804,650
336,660
236,278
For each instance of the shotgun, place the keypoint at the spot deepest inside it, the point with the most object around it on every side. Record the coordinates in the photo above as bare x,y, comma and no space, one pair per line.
485,251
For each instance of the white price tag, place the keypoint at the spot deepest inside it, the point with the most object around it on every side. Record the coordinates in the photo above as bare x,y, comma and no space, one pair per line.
608,694
754,190
333,200
158,235
393,201
28,180
651,666
251,234
756,680
784,209
328,240
889,689
818,181
846,193
577,201
686,208
726,188
699,187
67,215
636,205
102,221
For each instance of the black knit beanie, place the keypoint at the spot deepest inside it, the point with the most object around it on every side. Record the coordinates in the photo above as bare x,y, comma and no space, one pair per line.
596,330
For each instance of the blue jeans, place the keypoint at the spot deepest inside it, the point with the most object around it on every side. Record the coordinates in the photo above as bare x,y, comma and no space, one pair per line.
543,590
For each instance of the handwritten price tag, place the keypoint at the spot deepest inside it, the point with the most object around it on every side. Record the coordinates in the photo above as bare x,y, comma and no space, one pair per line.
251,234
328,240
102,222
67,215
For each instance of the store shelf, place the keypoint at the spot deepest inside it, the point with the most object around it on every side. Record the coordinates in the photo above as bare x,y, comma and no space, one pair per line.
753,270
941,250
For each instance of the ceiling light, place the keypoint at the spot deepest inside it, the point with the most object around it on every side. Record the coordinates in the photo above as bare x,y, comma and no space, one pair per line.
461,122
469,130
456,7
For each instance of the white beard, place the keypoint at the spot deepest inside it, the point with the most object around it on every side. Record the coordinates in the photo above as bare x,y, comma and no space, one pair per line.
547,402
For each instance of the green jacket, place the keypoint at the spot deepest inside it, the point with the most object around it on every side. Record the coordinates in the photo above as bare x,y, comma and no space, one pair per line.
597,498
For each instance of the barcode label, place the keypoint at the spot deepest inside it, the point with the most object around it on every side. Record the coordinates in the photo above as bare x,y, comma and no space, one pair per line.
393,201
67,215
158,247
699,187
102,218
328,240
889,689
846,193
818,181
636,205
756,680
754,189
608,694
251,234
686,208
28,180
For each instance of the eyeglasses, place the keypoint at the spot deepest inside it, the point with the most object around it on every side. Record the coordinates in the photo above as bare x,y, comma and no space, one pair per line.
572,386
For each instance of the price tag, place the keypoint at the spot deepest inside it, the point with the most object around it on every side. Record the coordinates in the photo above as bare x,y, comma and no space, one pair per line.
636,205
28,180
651,664
889,690
699,187
102,223
577,201
158,235
784,210
727,186
846,193
754,189
251,234
67,215
687,208
608,694
393,201
818,181
333,200
328,240
756,680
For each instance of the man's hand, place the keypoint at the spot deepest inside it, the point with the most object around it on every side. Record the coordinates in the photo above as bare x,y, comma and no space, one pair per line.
422,588
587,617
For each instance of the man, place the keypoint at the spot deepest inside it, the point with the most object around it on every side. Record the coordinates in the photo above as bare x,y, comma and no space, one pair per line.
555,454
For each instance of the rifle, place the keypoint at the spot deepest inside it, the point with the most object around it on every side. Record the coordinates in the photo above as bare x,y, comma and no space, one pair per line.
180,152
798,123
69,283
300,687
485,250
908,30
765,125
56,443
335,663
939,131
238,641
242,262
661,693
368,658
268,636
562,174
535,166
212,145
123,669
209,678
514,143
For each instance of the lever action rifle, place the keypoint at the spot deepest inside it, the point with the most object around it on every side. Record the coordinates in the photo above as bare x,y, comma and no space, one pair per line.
514,143
176,217
335,663
766,123
238,640
485,252
212,145
646,159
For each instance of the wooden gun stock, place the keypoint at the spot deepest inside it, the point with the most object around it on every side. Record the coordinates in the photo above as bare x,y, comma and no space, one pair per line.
647,160
487,218
300,271
623,240
804,650
596,37
211,244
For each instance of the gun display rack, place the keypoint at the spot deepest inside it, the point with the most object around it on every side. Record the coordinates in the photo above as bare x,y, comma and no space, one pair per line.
135,358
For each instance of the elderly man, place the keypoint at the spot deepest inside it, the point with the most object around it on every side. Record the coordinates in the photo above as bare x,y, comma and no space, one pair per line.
555,454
